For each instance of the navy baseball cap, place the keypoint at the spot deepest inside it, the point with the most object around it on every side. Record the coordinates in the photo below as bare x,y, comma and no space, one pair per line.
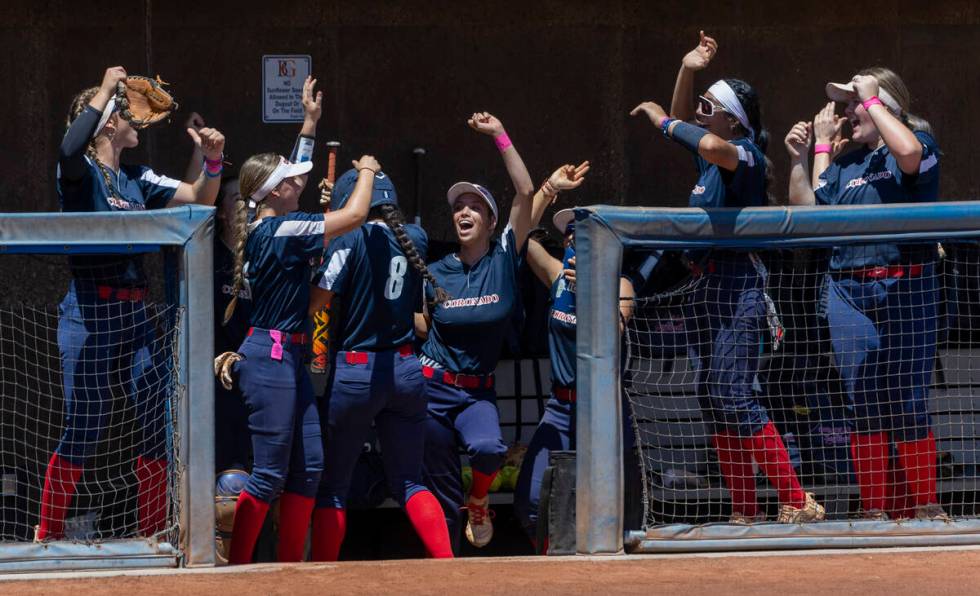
382,194
468,188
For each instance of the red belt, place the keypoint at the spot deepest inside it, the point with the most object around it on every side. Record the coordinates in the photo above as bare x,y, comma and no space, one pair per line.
459,380
891,271
564,394
130,294
293,338
352,357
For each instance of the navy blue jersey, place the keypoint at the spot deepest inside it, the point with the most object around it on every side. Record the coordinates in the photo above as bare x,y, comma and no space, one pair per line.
278,254
468,331
228,337
745,187
379,289
866,177
561,328
138,188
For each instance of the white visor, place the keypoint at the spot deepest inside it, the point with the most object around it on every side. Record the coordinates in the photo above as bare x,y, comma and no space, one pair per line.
845,92
284,170
468,188
110,107
562,219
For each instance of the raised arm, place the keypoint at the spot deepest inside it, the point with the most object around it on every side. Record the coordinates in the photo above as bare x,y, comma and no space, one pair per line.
545,267
901,142
193,125
355,211
312,109
567,177
828,140
71,156
798,145
204,190
682,103
712,148
520,210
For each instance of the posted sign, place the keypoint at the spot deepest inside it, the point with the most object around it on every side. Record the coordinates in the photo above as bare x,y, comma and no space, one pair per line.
282,87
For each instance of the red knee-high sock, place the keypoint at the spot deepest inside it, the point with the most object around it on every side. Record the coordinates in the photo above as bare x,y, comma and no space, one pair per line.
771,455
481,484
60,481
152,502
294,522
736,467
329,527
918,458
869,452
249,517
898,502
429,521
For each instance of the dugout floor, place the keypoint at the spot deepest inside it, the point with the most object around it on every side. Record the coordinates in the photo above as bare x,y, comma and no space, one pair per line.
867,573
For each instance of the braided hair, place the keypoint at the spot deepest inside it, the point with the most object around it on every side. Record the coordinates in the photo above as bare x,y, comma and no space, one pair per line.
253,174
395,221
77,107
749,98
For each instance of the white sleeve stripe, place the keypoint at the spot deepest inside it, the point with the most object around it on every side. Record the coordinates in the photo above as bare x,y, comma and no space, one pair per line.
334,267
300,228
154,178
926,164
745,156
503,237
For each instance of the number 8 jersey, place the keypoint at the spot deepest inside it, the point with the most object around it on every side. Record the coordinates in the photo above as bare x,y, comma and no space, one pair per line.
376,309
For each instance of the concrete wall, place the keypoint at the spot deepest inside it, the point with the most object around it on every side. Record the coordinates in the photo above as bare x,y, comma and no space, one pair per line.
561,75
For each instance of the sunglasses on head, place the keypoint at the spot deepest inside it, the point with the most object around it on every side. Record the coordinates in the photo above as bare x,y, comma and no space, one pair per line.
707,108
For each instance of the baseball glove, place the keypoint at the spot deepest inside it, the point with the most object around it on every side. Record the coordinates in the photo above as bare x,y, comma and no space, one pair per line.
142,101
224,368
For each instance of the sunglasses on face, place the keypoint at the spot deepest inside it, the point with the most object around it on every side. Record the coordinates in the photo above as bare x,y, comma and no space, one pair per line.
707,108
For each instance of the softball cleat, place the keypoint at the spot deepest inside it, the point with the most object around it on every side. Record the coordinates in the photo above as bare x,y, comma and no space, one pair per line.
479,528
740,519
931,512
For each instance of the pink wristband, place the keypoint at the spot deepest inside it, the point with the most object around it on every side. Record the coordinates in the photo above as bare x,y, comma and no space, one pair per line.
871,101
822,148
502,141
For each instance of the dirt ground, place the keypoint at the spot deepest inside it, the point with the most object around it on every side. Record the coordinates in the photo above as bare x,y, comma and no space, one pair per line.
854,572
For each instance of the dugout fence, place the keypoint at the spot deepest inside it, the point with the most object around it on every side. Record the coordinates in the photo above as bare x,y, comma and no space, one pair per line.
166,333
805,356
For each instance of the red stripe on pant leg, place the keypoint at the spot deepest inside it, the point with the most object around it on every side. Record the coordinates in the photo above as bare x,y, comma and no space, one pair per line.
429,521
249,517
869,453
771,455
918,458
60,481
329,527
152,501
294,523
481,484
736,468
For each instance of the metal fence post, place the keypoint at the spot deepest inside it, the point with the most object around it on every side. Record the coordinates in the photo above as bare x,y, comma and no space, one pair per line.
196,422
599,471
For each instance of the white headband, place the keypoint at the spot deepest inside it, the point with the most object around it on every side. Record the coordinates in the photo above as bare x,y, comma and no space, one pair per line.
728,100
110,107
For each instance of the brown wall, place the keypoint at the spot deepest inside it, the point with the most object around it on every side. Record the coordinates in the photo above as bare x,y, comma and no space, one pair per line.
561,75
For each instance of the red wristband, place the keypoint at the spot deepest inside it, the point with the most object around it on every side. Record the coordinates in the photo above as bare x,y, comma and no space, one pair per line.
822,148
502,141
871,101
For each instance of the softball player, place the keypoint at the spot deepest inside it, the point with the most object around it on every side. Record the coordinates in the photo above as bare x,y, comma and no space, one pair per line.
372,277
103,331
465,336
729,145
273,253
880,300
